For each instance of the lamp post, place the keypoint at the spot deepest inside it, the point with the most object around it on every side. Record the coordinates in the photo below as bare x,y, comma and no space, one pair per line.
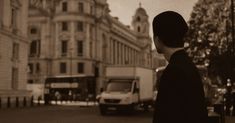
71,62
233,43
232,50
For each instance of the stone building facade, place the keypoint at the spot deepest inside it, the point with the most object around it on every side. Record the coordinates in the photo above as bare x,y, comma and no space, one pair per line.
13,48
158,60
79,38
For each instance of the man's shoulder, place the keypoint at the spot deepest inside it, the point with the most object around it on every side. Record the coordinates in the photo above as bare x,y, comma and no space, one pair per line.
173,71
185,69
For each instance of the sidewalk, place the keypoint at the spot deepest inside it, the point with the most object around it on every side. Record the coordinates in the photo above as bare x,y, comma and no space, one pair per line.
230,119
71,103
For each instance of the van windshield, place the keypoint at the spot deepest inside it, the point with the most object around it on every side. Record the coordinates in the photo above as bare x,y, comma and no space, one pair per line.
119,86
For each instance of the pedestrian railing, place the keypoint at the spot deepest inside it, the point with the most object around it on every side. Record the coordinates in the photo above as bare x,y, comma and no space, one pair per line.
18,102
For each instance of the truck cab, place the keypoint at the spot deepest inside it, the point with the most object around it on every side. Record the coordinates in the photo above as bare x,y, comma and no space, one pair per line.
126,88
119,94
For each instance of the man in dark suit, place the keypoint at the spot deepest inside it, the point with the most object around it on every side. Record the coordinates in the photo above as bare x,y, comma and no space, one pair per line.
180,96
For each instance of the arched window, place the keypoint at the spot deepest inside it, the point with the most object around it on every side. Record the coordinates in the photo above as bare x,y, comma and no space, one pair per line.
33,30
138,18
138,29
104,47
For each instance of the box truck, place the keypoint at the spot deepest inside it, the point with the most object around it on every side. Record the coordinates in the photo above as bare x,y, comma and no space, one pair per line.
126,88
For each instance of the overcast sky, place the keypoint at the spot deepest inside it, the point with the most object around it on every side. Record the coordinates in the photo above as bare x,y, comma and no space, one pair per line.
125,9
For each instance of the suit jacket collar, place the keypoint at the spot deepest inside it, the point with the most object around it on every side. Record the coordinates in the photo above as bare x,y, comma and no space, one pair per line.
176,55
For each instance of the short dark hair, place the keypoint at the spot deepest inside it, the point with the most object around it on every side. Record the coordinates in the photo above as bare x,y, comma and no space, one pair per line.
170,27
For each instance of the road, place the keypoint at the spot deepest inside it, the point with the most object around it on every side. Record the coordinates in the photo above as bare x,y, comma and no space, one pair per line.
69,114
73,114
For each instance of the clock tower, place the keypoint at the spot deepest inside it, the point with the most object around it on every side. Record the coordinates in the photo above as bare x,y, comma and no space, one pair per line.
140,22
140,25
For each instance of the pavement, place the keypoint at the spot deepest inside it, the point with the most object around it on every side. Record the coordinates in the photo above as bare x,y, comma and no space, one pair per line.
230,119
74,112
70,103
75,103
69,114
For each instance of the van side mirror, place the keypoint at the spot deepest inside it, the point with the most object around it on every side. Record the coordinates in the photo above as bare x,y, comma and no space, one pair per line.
136,90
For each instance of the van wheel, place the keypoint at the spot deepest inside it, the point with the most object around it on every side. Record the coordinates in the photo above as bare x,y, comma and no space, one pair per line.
103,110
146,108
131,109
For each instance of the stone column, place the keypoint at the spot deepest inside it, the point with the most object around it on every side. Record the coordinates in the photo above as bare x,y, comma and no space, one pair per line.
119,53
122,54
57,41
111,51
129,55
86,44
1,12
126,55
115,47
72,47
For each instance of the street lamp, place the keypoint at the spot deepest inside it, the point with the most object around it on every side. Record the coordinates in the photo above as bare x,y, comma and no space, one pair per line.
232,50
228,82
71,63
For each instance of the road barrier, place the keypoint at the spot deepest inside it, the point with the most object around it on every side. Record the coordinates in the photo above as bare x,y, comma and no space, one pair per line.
39,99
31,101
0,102
24,102
219,109
8,102
17,102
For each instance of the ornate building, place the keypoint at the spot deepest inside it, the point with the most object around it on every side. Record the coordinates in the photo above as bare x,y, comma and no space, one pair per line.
79,38
13,48
158,59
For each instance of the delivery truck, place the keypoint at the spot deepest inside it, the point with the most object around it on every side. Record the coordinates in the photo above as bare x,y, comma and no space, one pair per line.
126,88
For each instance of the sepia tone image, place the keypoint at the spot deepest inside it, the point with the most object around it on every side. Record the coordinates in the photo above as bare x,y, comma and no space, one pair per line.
112,61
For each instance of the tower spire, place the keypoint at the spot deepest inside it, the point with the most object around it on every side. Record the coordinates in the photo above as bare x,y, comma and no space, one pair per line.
140,4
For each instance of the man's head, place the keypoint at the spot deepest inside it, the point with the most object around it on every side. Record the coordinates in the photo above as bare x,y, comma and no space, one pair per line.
169,29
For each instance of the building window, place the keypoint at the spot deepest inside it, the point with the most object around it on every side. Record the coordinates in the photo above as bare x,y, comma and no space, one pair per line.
91,10
14,17
64,6
64,26
30,68
1,12
35,48
118,52
138,29
80,7
114,52
63,67
80,26
14,80
33,31
91,49
15,51
30,81
37,68
80,67
138,19
80,48
91,32
64,48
